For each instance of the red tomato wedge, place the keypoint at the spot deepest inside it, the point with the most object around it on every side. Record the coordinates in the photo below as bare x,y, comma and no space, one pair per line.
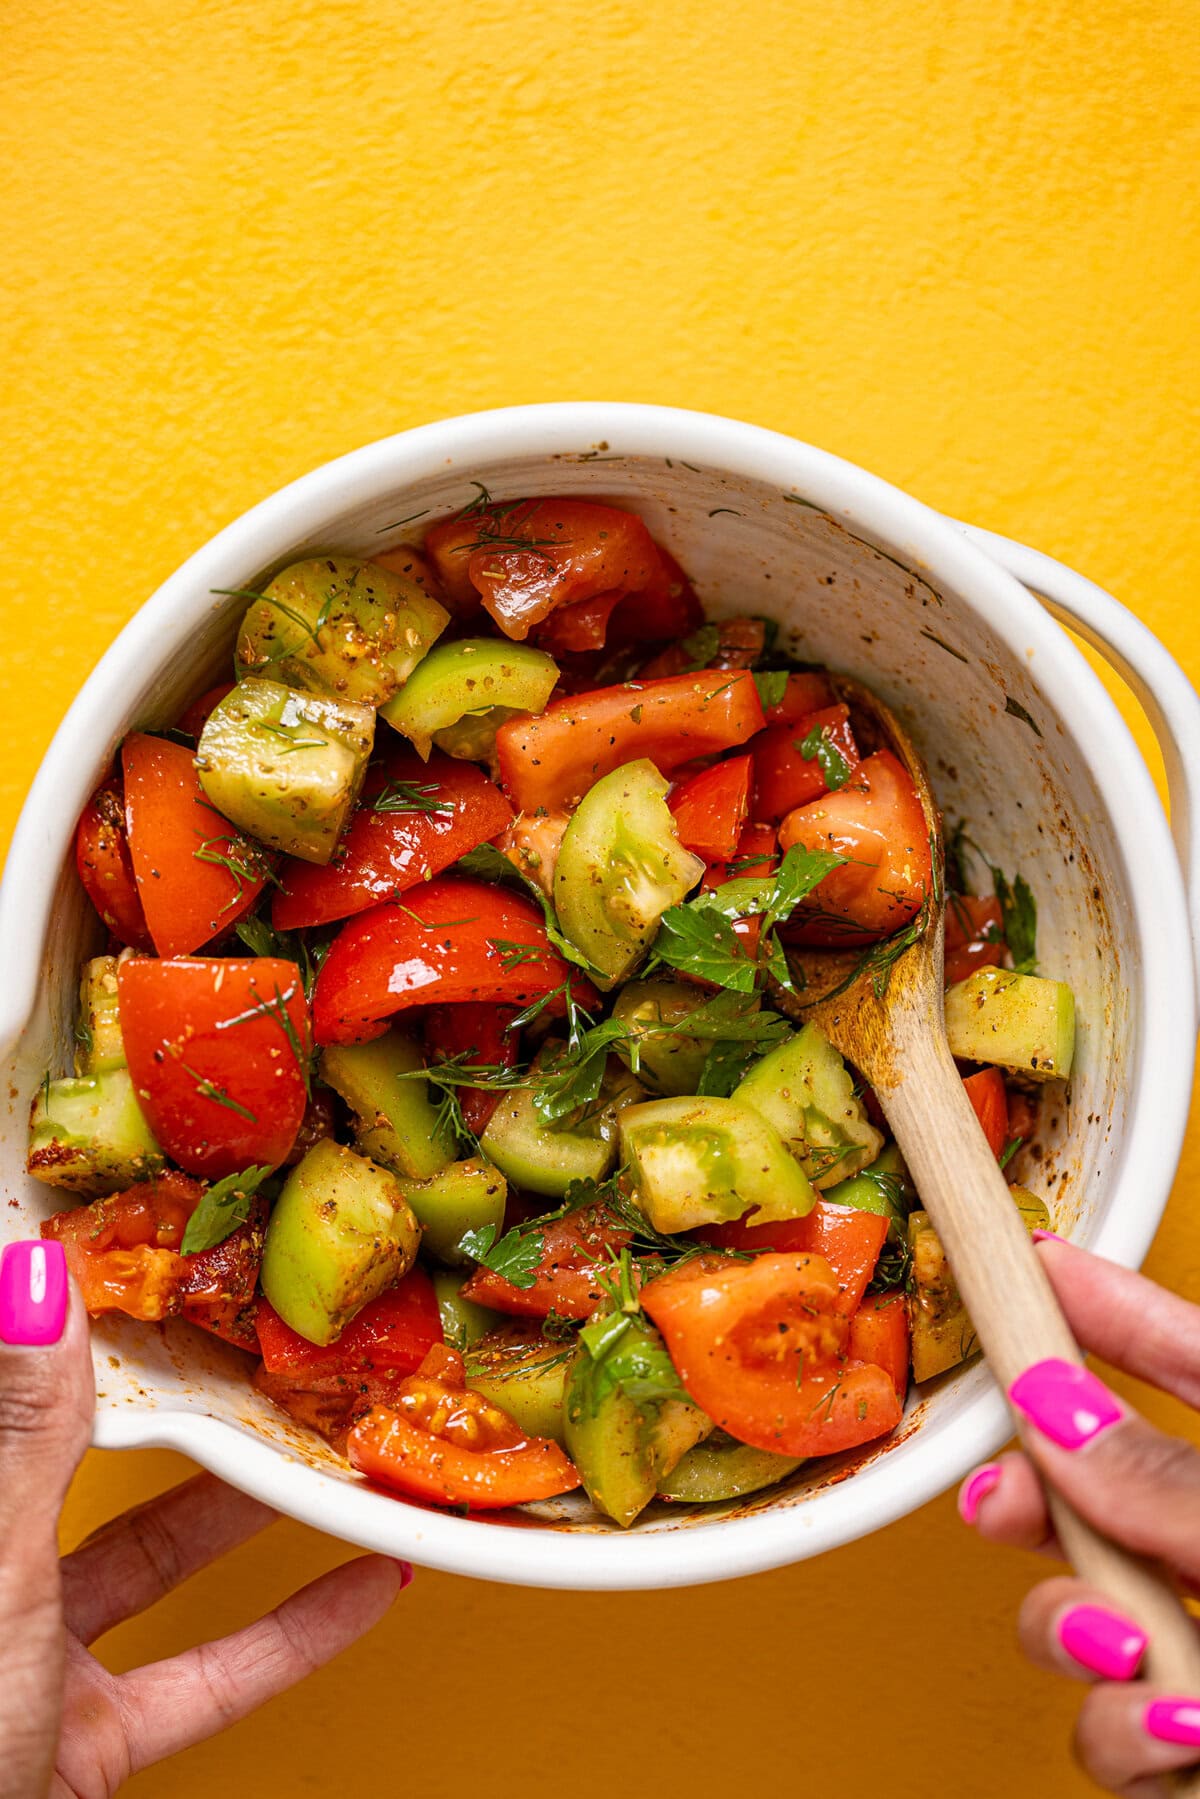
397,1331
106,867
443,1443
879,1334
449,940
877,823
849,1240
662,612
218,1051
974,935
710,809
989,1096
553,759
806,692
122,1251
577,549
784,777
218,1287
575,1251
195,873
480,1034
573,630
390,848
739,644
761,1346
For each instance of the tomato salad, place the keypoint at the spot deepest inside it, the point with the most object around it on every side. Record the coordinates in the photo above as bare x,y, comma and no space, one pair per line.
435,1059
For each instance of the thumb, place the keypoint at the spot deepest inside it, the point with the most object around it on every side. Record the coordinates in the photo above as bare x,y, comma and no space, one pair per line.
47,1394
1138,1485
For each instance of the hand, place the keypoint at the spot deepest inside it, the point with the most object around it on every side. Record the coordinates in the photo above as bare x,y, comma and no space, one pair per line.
68,1728
1139,1486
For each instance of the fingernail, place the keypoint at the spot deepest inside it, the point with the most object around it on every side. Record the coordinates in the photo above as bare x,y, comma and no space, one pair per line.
1101,1641
1173,1721
33,1293
1048,1237
1067,1403
406,1574
973,1491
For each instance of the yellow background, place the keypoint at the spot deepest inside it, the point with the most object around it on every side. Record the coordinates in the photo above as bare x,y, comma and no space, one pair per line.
954,242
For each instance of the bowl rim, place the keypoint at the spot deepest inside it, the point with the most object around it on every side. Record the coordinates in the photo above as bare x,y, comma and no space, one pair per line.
882,513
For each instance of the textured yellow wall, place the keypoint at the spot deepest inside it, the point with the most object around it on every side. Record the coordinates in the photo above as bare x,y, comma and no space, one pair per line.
954,242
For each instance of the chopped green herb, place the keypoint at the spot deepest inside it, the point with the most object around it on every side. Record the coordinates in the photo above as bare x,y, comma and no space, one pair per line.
515,955
772,686
222,1209
700,648
1015,709
514,1258
819,746
1018,908
210,1090
1009,1151
410,796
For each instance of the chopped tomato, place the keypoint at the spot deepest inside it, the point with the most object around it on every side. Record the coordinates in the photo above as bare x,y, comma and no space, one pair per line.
974,935
1022,1114
122,1251
444,1443
195,718
450,940
761,1347
396,1331
662,612
879,1334
575,1251
573,630
532,843
576,550
784,777
710,809
481,1035
988,1095
195,873
393,845
806,692
218,1051
876,822
738,644
553,759
849,1240
217,1287
106,867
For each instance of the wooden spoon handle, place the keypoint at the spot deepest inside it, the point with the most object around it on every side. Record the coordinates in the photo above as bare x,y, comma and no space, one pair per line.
1017,1317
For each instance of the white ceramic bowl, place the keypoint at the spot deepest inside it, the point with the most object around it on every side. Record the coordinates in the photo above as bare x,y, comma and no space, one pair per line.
1021,738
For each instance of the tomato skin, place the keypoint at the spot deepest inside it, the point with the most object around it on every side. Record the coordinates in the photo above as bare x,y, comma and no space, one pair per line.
783,777
481,1034
217,1286
578,628
879,1334
761,1347
849,1240
575,1251
105,866
666,608
395,1331
553,759
710,809
974,935
806,692
877,822
193,721
444,1444
202,1020
581,549
989,1097
387,959
187,900
383,854
122,1251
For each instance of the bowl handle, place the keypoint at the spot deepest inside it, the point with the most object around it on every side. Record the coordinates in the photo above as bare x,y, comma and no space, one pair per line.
1168,697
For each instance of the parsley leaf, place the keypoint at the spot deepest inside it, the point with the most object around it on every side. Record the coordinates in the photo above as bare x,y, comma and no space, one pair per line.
771,687
222,1209
573,1078
514,1258
261,940
700,648
705,943
699,936
1019,911
819,746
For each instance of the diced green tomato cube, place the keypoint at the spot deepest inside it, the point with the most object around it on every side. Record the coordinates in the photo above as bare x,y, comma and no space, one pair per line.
722,1468
1018,1021
705,1161
397,1123
335,626
462,692
669,1061
464,1197
463,1322
942,1332
884,1187
99,1046
90,1135
620,866
806,1091
537,1157
285,767
524,1374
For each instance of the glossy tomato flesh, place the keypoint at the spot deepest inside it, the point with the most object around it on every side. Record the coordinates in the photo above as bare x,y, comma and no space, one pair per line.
784,777
396,1331
989,1098
105,866
879,1334
710,809
848,1239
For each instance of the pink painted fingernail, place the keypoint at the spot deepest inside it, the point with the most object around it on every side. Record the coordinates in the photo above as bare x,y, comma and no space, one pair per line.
406,1574
33,1293
1101,1641
1173,1721
973,1491
1067,1403
1048,1237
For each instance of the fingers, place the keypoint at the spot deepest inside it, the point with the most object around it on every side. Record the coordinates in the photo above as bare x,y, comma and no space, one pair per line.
170,1705
46,1390
1127,1320
132,1561
1005,1502
1120,1740
1070,1628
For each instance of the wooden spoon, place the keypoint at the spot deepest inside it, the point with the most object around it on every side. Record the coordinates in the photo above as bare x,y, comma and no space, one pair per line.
897,1038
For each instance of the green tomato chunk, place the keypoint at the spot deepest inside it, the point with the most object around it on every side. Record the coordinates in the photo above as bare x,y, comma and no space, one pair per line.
463,692
942,1332
884,1187
1018,1021
669,1062
526,1376
90,1135
336,626
705,1161
340,1233
464,1197
722,1468
99,1043
806,1091
396,1122
537,1157
286,767
463,1322
620,867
